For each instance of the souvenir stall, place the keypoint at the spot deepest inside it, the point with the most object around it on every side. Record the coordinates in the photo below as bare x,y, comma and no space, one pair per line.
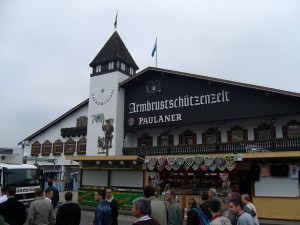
124,174
190,176
276,181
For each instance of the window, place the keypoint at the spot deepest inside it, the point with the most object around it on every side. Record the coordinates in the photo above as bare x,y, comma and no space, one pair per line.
165,139
82,121
46,148
291,130
211,136
187,138
264,132
237,134
57,147
81,146
131,71
70,145
145,141
36,148
123,66
98,69
110,65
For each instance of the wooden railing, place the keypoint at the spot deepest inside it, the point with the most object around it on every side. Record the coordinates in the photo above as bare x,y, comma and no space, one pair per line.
250,146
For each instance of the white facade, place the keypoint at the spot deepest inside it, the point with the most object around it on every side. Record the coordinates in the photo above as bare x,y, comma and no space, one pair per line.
106,102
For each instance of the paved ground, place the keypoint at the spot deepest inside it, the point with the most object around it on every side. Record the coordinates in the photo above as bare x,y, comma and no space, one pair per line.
128,219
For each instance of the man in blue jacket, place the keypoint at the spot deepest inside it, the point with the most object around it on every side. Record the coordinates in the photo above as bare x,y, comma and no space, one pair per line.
103,212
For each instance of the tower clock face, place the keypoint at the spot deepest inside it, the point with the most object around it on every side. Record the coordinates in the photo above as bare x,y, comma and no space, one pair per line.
102,96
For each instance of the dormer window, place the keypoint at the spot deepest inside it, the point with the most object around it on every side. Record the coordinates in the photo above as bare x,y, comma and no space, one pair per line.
131,71
110,65
98,69
123,66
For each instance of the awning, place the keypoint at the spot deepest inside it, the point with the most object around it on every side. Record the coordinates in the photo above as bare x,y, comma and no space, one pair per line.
106,158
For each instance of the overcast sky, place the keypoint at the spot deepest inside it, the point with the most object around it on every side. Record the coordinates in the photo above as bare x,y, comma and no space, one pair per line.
46,47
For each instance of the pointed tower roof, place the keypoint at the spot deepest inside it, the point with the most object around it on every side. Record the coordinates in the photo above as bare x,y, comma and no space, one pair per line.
114,49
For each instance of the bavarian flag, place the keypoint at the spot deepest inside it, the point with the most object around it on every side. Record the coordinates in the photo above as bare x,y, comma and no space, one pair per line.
154,48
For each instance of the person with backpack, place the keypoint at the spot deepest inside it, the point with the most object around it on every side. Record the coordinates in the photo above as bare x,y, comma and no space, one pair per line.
214,206
195,215
204,205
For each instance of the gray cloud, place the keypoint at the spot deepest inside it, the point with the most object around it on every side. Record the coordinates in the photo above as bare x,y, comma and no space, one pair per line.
46,48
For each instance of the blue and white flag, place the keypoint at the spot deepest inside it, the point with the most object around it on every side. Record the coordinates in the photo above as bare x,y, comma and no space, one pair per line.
154,48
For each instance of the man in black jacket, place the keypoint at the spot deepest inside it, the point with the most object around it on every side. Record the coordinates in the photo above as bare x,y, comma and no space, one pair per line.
113,203
12,210
204,205
55,198
69,213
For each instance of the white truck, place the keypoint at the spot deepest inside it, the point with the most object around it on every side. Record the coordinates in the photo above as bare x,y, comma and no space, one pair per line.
14,173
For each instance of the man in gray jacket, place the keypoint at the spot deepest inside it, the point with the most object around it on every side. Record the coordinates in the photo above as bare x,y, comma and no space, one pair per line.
158,210
174,210
40,211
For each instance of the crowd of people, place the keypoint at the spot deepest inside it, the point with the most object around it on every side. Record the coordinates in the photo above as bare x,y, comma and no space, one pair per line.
41,210
149,210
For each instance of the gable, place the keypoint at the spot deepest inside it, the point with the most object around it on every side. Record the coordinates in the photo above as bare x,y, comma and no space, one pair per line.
157,98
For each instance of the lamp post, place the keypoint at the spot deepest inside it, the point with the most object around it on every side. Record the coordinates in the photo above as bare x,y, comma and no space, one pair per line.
54,162
24,143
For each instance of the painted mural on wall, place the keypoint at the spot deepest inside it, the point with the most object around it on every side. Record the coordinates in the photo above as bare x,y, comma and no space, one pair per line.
104,141
125,199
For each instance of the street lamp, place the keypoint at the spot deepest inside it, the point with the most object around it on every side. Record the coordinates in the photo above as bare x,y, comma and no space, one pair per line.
24,143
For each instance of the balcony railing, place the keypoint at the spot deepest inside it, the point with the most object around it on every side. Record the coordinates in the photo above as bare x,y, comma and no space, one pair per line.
73,131
250,146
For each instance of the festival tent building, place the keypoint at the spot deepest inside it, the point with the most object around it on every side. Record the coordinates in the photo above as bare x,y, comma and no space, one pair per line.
178,130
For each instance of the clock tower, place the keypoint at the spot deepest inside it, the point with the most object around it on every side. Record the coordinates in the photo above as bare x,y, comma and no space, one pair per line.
112,65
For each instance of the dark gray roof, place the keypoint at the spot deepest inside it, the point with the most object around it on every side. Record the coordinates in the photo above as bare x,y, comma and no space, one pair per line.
85,103
257,87
114,49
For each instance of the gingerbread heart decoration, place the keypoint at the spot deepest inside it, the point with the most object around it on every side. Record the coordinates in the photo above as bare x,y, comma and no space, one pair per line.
231,167
208,160
198,160
204,167
175,166
151,167
219,161
180,161
229,159
213,167
186,167
161,161
152,162
152,175
195,167
222,167
160,167
189,160
171,160
168,167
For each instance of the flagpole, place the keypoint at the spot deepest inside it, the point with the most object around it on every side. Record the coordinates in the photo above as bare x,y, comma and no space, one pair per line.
156,53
